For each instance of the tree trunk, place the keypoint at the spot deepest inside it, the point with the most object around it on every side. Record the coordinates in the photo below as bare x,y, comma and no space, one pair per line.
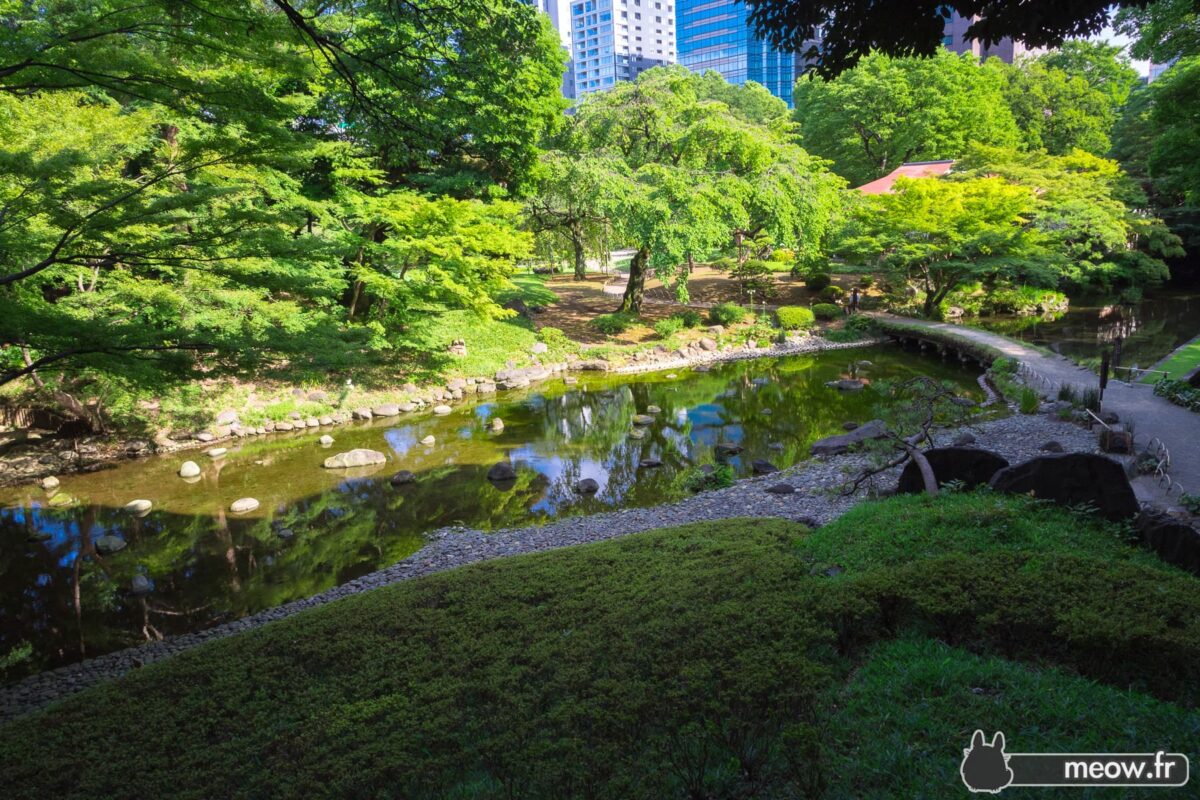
580,259
931,484
632,301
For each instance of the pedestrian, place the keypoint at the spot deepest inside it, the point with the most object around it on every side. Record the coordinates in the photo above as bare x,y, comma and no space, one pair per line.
854,300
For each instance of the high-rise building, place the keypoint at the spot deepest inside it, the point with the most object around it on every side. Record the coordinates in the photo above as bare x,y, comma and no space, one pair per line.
559,12
715,34
617,40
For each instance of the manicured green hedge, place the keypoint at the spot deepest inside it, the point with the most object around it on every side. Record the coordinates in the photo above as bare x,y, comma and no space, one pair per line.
734,659
817,281
726,314
612,324
795,317
826,311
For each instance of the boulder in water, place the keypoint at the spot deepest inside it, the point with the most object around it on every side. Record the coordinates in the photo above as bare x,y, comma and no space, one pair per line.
326,440
497,424
587,486
139,507
403,477
650,463
189,469
109,544
500,472
727,449
50,483
360,457
428,441
362,413
643,419
386,410
761,467
653,410
836,445
244,505
215,452
442,410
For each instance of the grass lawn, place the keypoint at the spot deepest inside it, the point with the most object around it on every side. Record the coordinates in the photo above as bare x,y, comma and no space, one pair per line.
1178,364
717,660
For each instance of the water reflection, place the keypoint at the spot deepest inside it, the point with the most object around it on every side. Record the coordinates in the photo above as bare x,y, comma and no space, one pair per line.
316,528
1146,331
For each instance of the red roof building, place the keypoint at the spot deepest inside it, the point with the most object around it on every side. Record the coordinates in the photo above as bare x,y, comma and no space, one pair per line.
911,169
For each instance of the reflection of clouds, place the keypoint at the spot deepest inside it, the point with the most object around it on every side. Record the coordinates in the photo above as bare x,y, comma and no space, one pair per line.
402,440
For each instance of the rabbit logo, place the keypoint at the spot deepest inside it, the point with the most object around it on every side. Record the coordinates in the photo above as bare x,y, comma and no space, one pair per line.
985,766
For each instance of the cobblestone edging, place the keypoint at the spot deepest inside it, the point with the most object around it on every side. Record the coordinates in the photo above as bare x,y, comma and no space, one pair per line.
815,500
96,453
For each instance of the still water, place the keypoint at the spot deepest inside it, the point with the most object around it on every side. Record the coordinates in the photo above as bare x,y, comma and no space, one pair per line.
1147,330
316,528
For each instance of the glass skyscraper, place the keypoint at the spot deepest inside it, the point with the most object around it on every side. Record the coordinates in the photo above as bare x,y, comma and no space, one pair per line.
715,34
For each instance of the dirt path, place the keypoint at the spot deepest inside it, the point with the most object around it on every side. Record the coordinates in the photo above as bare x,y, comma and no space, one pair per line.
1152,417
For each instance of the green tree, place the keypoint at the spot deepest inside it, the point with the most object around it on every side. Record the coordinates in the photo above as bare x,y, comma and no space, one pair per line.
934,235
885,111
574,196
1069,98
1090,211
1161,31
1174,158
704,173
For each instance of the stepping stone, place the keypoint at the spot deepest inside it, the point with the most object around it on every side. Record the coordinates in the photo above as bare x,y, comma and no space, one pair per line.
781,488
243,505
138,507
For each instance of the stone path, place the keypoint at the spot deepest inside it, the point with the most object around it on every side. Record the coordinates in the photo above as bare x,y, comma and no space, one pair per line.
1152,417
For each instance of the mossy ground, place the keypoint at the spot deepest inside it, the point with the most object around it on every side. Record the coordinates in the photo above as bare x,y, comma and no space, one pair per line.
721,660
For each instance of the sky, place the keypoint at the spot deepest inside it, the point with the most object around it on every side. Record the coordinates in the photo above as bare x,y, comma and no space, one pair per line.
1112,37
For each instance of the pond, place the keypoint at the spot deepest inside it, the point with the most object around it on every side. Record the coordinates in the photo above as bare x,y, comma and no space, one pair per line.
1148,330
317,528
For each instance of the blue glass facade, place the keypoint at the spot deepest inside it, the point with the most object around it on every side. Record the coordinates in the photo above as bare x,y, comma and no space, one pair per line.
714,34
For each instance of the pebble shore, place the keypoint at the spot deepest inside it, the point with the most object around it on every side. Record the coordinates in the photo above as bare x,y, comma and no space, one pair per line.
816,500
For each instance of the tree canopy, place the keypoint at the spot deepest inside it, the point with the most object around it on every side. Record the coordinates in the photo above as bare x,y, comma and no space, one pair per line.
852,29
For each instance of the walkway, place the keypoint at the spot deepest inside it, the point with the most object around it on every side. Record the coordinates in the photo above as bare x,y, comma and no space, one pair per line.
1151,416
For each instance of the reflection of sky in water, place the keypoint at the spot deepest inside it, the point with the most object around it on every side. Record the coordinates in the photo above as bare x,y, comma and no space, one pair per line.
209,565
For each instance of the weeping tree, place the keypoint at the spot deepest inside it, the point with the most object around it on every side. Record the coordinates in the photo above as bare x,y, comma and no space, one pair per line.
575,196
912,410
710,165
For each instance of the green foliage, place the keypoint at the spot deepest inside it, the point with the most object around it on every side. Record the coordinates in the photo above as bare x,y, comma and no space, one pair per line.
697,479
826,311
1029,401
1179,392
782,255
886,111
554,338
793,318
844,335
978,300
612,324
857,322
866,281
754,276
817,281
690,318
1191,502
771,676
666,328
831,293
726,314
1174,153
1162,31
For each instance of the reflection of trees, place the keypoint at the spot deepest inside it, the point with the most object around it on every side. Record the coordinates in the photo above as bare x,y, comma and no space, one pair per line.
213,566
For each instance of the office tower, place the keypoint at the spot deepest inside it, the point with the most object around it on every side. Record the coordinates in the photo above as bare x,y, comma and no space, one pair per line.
716,35
559,12
617,40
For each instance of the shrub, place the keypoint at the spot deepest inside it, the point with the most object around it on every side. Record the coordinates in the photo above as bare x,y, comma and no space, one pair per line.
866,281
860,324
844,335
612,324
690,318
666,328
795,317
697,479
553,337
1180,393
831,293
755,276
817,281
726,314
826,311
1029,401
723,264
782,255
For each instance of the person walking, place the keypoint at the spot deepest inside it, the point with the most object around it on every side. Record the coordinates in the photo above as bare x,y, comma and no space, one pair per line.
853,308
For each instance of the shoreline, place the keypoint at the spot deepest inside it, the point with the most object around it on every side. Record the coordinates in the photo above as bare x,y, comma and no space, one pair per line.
814,501
98,452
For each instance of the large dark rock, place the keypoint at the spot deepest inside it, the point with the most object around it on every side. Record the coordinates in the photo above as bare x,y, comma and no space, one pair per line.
403,477
518,305
1072,479
1175,541
970,465
587,486
500,472
836,445
761,467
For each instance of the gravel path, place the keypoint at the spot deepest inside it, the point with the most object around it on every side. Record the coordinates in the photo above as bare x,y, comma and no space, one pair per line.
1151,416
815,501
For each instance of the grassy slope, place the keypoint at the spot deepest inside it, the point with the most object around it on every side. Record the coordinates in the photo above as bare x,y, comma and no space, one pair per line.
720,660
1178,364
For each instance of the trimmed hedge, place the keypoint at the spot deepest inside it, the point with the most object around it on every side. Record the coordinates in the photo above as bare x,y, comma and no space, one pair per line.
795,317
826,311
726,314
817,281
